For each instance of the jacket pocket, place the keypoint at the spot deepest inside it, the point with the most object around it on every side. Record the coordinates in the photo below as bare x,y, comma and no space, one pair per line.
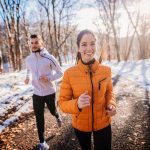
101,90
100,82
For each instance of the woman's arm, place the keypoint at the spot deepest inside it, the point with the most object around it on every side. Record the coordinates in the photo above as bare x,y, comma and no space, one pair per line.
66,102
110,98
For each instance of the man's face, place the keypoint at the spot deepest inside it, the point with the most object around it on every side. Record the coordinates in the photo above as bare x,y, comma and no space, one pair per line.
35,44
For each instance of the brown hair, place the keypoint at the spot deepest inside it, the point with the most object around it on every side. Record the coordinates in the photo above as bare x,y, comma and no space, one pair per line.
79,37
33,36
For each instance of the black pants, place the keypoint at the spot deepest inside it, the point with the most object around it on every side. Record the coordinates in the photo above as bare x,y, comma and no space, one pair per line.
38,106
102,139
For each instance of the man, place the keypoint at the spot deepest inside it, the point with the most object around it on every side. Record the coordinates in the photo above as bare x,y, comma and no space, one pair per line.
44,69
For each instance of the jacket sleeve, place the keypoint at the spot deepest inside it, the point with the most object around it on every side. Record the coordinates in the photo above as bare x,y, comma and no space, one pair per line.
28,74
66,102
58,73
28,70
110,98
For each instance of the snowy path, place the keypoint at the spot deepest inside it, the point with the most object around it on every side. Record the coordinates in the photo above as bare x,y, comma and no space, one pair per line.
15,96
131,128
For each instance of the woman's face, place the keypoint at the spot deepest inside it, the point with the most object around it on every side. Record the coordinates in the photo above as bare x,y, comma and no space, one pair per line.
87,47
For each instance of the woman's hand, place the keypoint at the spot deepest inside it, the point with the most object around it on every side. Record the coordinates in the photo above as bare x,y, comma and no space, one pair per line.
84,100
111,110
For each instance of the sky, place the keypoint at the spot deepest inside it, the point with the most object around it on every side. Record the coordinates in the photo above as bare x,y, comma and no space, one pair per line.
86,16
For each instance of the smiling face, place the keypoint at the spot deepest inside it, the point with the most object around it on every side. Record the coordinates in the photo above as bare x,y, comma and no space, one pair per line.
36,44
87,47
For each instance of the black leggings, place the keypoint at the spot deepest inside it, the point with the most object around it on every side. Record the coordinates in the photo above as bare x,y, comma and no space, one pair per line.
102,139
38,106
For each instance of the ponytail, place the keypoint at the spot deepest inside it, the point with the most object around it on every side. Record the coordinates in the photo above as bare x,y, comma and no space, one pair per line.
78,57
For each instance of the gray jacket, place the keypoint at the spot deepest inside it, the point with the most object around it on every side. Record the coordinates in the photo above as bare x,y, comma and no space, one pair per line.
42,63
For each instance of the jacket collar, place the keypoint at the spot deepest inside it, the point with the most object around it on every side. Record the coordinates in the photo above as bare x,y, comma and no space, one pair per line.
40,52
37,51
85,68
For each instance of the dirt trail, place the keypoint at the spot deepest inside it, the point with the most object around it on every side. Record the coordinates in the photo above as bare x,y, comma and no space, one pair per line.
131,125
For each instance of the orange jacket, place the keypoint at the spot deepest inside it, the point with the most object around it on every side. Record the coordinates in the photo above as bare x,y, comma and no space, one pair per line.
78,80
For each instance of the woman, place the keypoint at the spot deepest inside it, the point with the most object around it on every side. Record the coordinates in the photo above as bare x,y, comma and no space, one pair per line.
86,92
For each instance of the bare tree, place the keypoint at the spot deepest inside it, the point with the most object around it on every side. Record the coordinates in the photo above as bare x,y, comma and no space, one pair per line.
128,49
135,26
101,41
17,36
8,20
1,61
144,28
25,30
11,17
59,25
109,11
46,5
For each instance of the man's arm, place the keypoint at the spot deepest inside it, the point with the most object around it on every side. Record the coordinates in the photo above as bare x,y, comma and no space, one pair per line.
56,67
26,81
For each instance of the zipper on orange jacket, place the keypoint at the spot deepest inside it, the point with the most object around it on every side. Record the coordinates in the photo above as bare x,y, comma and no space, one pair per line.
91,75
